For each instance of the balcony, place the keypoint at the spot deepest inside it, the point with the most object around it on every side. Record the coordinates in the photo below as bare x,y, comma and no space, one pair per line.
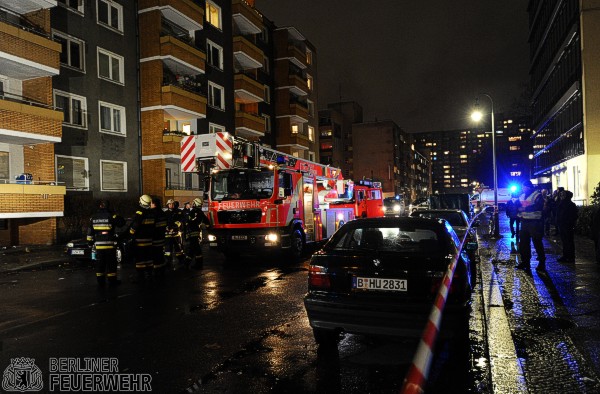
181,104
26,6
39,199
27,54
25,122
178,55
297,56
298,85
247,55
247,19
297,113
173,135
184,13
249,125
247,90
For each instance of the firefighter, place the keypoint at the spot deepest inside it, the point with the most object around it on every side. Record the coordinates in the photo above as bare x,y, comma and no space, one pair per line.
141,231
102,236
173,244
158,238
194,245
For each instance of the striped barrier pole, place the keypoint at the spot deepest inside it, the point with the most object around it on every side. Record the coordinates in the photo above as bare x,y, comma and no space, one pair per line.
419,369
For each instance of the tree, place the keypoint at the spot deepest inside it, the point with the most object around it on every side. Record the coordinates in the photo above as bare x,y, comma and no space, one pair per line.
595,198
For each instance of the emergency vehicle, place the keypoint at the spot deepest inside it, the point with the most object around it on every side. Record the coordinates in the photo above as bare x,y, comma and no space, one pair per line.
260,199
365,197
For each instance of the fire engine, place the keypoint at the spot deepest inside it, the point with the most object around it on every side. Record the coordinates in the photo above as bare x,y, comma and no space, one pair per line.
365,197
260,199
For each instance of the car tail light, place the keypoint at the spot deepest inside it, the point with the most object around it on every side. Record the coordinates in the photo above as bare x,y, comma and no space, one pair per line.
318,277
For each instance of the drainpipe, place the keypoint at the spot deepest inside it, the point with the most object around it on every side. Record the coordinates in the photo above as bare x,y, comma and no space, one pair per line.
139,98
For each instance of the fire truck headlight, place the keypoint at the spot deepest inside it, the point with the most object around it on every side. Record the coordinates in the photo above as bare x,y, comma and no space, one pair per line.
340,216
271,237
396,208
212,238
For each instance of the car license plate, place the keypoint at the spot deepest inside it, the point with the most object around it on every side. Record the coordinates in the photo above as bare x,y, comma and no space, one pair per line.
239,237
379,284
77,252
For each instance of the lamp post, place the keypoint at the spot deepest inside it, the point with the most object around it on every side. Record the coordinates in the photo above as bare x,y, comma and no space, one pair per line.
476,116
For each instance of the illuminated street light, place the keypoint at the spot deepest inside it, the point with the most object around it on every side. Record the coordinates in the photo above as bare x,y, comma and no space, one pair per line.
477,116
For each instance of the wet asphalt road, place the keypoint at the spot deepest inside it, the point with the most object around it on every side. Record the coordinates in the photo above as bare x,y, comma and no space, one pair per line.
223,329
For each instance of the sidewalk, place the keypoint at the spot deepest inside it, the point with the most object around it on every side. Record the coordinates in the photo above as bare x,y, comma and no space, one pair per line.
542,328
13,259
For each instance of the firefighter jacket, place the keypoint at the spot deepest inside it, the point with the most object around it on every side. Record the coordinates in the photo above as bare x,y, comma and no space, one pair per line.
160,227
102,229
175,222
142,228
195,219
533,205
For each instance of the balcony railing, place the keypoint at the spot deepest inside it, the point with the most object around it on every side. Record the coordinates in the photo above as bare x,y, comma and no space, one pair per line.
22,23
24,100
191,84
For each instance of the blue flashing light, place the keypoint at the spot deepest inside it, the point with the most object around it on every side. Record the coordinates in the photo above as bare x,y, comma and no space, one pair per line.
513,188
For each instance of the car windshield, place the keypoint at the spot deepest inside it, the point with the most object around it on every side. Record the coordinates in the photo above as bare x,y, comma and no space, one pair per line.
456,219
404,239
391,201
242,184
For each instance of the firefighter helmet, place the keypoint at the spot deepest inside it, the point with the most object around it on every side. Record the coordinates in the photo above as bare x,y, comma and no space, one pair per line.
170,201
198,202
145,201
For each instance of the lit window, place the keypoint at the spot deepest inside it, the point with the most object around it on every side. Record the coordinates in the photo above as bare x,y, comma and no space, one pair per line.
308,56
72,172
213,14
514,138
113,176
72,53
309,82
110,66
110,14
311,133
112,118
294,129
514,147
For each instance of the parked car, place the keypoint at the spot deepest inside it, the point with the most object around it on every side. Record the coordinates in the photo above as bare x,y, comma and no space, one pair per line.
393,206
419,203
380,276
460,223
80,249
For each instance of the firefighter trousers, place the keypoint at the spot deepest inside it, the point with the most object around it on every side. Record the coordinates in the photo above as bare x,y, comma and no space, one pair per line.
106,266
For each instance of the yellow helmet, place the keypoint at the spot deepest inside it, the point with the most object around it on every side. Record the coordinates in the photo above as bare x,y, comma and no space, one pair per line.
145,201
170,201
198,202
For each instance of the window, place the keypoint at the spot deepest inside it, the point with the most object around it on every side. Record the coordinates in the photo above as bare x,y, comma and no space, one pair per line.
311,107
311,133
110,14
267,123
514,138
514,147
110,66
113,175
294,129
73,107
112,118
265,64
73,5
308,56
264,35
4,166
72,54
214,54
267,94
216,96
309,81
72,172
311,156
213,14
215,128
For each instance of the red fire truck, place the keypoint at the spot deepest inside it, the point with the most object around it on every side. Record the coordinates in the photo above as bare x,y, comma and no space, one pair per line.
365,197
262,200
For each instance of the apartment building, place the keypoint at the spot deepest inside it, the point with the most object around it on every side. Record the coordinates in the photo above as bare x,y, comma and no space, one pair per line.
97,92
564,39
30,198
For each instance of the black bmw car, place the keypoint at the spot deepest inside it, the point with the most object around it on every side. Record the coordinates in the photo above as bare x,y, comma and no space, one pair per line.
380,276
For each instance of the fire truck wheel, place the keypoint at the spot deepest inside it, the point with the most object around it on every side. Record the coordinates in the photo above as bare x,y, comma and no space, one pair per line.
297,245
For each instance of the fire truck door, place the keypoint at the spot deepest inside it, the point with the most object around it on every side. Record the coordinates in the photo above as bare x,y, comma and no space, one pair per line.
309,219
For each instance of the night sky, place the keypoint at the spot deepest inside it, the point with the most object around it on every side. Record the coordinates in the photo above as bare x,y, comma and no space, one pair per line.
418,63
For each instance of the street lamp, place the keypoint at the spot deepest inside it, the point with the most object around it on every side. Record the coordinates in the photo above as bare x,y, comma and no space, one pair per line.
477,116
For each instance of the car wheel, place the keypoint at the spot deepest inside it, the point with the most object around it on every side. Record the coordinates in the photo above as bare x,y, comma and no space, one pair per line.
326,337
296,245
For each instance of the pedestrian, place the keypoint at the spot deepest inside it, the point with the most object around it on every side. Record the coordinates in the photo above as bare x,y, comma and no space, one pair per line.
174,229
532,227
566,219
512,211
142,231
196,218
557,202
158,238
549,213
102,238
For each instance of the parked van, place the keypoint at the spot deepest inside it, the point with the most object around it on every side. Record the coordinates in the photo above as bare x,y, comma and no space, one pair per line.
486,198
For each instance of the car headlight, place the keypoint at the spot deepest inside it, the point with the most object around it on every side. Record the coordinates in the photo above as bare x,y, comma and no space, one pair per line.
271,237
212,238
70,245
396,208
